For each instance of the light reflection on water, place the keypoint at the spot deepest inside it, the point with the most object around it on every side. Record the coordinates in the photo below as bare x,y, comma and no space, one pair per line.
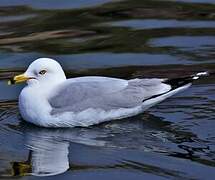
126,39
160,24
54,4
111,145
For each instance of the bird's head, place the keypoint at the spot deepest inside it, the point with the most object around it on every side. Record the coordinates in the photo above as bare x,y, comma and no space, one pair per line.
43,71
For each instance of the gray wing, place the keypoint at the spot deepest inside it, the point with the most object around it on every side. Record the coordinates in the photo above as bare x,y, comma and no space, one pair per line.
106,95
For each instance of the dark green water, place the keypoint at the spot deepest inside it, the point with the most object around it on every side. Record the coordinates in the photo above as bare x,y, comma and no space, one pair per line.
126,39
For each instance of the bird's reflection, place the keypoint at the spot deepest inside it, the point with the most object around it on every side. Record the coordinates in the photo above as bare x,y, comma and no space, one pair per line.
49,148
49,156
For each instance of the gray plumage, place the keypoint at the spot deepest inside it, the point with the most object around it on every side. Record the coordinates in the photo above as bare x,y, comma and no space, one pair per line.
79,94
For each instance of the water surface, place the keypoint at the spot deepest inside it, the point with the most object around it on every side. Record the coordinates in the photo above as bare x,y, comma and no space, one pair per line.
126,39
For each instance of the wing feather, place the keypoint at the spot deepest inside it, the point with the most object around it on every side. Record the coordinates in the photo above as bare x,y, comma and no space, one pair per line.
106,94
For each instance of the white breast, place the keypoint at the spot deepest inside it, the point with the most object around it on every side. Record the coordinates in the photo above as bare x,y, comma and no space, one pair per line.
33,106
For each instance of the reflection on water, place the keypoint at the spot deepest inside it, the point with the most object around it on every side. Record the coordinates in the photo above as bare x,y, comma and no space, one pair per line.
198,1
159,24
137,143
126,39
48,156
49,148
54,4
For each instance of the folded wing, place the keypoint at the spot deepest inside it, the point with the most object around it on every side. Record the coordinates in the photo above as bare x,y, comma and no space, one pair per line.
103,93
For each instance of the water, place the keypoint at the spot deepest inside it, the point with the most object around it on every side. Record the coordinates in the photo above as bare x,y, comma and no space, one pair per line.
126,39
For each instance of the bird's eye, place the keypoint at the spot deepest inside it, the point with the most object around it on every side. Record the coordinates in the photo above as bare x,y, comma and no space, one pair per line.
42,72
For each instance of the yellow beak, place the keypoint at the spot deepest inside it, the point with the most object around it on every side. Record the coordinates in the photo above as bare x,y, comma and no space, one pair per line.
18,79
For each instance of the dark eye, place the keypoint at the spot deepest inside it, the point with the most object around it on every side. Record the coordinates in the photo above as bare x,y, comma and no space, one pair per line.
42,72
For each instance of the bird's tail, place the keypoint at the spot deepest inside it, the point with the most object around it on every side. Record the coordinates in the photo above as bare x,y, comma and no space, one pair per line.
178,82
177,85
198,75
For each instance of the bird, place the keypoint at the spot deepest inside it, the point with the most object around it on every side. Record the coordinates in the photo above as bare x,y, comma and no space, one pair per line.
51,100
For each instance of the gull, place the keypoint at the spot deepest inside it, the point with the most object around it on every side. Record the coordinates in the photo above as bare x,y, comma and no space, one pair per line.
51,100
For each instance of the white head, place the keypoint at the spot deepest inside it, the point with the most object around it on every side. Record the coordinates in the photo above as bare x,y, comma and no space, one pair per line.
43,72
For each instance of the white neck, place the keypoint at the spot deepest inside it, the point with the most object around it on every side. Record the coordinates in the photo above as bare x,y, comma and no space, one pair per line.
33,101
45,88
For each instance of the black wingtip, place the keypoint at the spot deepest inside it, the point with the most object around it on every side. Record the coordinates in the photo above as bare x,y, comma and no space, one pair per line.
178,82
